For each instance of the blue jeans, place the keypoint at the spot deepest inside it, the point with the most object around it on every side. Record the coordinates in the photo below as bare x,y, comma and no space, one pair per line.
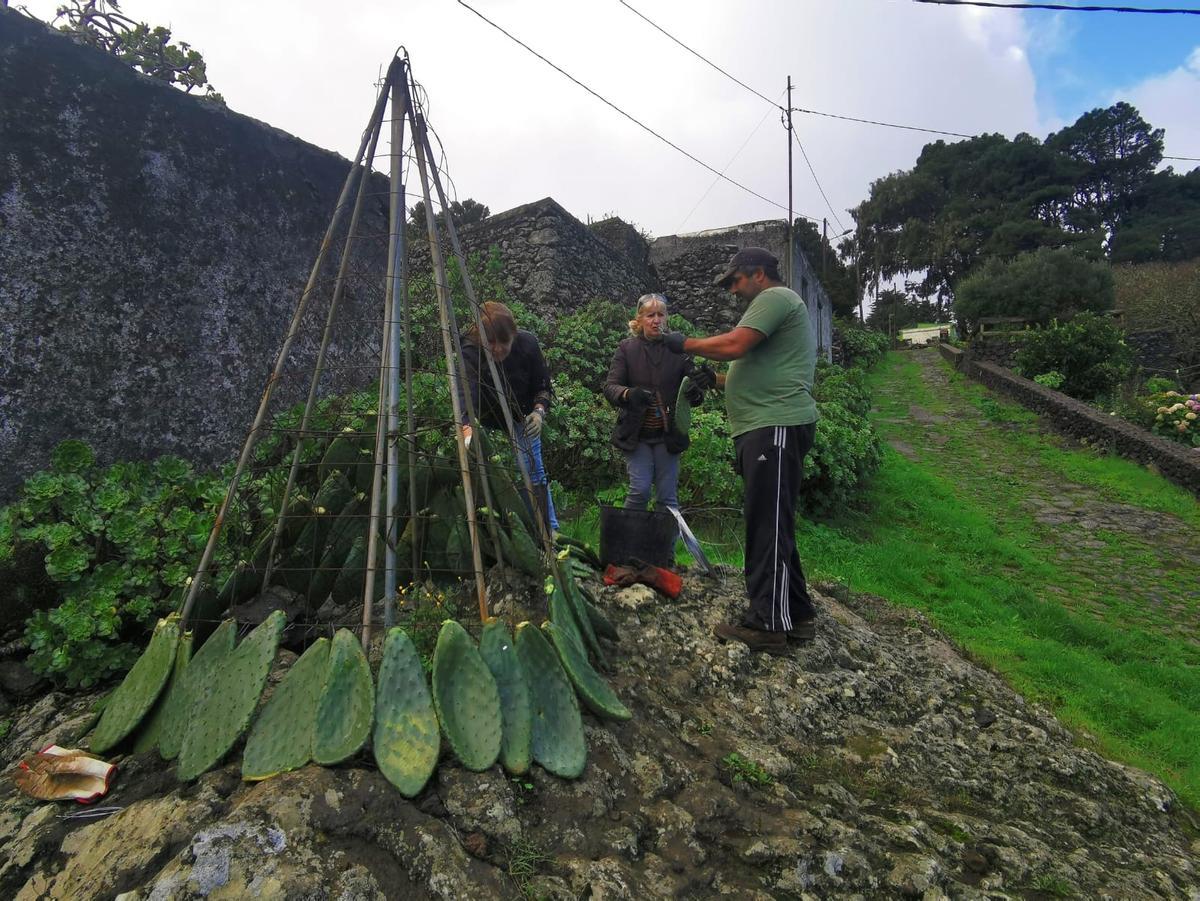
652,465
531,456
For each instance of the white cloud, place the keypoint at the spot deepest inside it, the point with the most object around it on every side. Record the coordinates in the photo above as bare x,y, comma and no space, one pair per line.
1172,102
515,130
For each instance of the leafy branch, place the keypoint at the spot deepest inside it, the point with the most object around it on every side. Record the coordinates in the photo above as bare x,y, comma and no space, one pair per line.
100,24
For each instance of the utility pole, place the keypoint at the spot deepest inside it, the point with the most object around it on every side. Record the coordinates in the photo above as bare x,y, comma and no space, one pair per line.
858,288
790,237
824,242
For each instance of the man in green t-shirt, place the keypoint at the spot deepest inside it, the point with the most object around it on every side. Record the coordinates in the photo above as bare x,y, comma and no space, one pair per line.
772,415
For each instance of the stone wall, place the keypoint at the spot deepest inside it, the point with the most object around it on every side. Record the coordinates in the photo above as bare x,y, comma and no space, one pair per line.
685,266
154,246
1078,420
552,261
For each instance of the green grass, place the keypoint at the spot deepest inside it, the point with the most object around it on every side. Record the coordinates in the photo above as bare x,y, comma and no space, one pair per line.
947,533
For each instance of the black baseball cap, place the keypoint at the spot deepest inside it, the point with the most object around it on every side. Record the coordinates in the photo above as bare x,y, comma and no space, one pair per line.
746,258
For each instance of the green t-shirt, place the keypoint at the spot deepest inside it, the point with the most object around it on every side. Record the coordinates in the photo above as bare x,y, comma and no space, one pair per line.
773,384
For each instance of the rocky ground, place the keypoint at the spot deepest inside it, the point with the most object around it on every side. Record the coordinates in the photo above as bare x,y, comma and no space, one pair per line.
875,762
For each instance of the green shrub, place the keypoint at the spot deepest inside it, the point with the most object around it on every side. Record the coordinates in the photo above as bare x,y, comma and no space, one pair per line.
1038,286
1052,379
582,343
845,452
115,540
706,476
575,441
847,387
861,346
1089,351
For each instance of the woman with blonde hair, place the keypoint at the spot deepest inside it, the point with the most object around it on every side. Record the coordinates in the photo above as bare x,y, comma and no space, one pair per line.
643,382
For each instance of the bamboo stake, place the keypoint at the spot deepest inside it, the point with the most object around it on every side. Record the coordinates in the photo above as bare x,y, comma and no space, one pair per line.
339,287
289,338
445,313
498,382
377,479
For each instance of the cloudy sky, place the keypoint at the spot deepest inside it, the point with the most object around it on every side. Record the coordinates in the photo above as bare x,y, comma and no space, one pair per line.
514,130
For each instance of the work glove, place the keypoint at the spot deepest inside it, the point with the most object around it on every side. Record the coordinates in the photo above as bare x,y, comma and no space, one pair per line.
694,394
703,377
639,396
533,424
674,341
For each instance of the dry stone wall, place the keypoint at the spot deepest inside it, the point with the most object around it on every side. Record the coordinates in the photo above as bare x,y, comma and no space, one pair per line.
685,266
1078,420
552,262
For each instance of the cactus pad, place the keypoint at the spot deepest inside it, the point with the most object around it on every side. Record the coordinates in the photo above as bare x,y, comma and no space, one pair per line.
134,697
228,703
406,740
579,611
592,689
559,744
498,652
563,616
466,698
347,703
151,728
184,699
282,736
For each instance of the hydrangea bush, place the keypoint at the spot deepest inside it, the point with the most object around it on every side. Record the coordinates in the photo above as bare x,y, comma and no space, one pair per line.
1177,416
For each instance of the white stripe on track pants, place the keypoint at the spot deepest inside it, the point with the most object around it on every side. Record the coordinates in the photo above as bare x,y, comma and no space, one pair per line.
771,463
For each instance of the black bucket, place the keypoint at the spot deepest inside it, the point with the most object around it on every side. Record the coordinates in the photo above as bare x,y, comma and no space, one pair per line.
626,535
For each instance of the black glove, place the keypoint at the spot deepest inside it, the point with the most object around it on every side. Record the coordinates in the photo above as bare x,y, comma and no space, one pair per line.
694,394
674,341
703,377
639,396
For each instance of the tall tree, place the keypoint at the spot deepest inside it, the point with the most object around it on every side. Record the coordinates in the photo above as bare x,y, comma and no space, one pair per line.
1118,152
1163,222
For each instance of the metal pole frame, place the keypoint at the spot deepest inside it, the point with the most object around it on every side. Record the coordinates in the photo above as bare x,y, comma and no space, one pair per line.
497,379
397,278
446,314
790,228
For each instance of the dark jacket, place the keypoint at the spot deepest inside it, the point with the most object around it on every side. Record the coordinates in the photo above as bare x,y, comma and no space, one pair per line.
525,376
639,363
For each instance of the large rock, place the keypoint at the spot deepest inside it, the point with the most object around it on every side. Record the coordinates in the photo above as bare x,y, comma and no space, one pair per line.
876,762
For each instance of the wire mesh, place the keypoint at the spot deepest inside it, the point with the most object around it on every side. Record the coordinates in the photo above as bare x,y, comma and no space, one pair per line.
299,518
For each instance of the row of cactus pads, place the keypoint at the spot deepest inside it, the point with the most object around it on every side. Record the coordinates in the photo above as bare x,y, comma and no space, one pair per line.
512,698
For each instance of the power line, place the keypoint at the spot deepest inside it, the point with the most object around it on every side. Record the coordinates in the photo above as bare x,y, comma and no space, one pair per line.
813,172
631,118
932,131
700,56
1186,159
713,183
1160,11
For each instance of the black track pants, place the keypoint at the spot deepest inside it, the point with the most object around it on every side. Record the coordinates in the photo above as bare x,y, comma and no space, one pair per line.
771,462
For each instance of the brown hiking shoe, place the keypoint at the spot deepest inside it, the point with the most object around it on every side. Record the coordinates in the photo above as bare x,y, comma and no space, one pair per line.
754,639
803,630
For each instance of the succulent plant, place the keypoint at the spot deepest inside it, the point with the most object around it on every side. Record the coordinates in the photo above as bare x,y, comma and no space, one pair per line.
559,743
592,689
134,697
281,739
347,704
406,739
229,700
466,698
151,727
185,696
499,653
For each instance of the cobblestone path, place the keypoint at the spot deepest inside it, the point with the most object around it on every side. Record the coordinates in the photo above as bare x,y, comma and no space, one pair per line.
1112,551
